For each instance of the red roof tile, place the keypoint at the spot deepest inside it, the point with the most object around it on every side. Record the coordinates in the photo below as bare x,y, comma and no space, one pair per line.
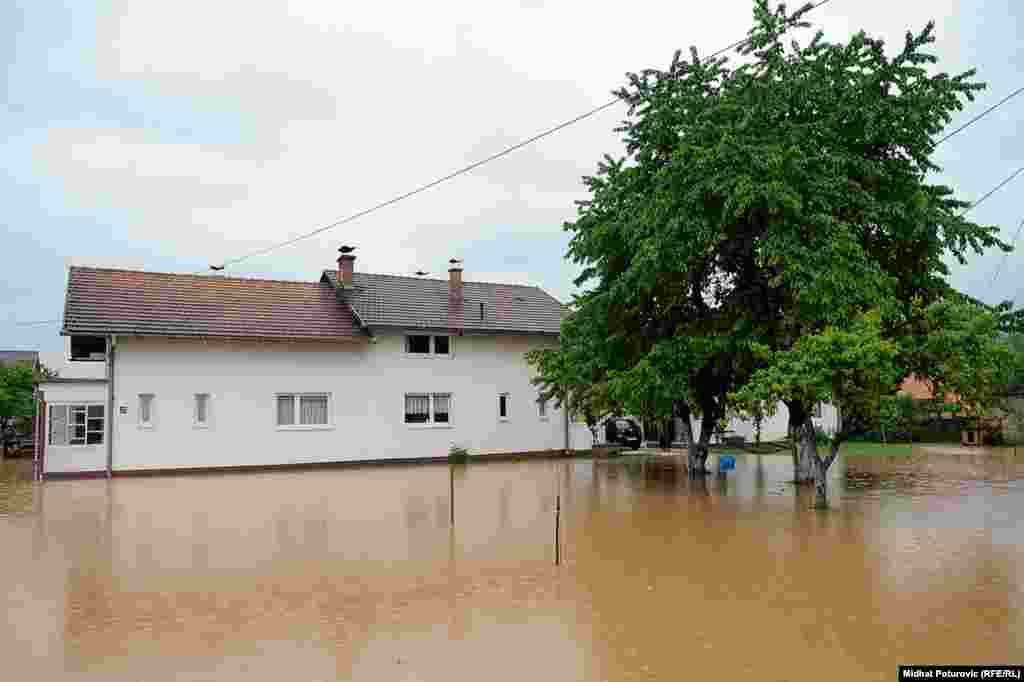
106,301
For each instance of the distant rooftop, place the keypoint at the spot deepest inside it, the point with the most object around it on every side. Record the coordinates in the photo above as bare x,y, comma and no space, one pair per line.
8,357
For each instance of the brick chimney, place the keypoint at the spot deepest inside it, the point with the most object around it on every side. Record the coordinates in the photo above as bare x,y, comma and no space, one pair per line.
346,264
456,309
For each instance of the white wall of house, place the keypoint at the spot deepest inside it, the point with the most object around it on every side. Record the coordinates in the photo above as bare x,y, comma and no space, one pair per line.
776,427
74,458
367,384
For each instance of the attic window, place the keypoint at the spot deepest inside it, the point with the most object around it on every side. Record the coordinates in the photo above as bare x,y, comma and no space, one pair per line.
88,348
481,311
426,345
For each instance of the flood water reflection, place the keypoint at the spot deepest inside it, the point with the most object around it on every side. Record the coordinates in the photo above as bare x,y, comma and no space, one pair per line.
355,573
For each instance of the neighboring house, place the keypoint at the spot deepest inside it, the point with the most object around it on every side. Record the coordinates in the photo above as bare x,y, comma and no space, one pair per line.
212,371
10,357
775,427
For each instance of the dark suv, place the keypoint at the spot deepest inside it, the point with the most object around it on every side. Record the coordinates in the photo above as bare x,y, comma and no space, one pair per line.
620,431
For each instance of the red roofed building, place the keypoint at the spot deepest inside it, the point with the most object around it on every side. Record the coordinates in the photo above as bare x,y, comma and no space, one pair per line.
213,371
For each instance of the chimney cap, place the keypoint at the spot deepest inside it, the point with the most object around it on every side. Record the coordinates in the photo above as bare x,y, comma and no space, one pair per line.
346,249
421,273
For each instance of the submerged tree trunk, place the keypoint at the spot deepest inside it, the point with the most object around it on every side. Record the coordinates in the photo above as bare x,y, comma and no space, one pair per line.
3,434
698,451
808,453
804,446
821,467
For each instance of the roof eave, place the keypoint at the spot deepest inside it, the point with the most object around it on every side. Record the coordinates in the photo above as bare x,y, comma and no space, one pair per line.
343,338
465,331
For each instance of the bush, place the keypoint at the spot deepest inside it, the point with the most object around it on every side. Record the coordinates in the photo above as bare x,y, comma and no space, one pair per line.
458,455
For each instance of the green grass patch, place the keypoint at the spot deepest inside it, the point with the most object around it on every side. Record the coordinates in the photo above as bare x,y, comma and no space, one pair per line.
857,449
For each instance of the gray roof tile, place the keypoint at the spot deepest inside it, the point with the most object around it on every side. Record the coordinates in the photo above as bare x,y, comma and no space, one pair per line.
420,303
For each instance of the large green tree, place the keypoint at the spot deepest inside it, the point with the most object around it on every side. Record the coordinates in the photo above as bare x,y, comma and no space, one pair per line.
17,397
858,366
761,202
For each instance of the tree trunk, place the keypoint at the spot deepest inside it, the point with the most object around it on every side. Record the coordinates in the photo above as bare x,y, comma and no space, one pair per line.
804,448
821,467
698,452
804,472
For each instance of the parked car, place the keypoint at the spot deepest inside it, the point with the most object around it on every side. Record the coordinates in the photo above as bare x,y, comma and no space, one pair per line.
622,431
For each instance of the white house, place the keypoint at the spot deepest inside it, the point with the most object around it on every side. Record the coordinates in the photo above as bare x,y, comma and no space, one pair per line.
212,371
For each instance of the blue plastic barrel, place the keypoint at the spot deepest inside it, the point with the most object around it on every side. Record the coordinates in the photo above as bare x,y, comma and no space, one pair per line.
726,462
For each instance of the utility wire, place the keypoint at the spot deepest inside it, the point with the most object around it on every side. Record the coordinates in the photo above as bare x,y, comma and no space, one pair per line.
980,116
15,323
994,189
1002,261
470,167
970,208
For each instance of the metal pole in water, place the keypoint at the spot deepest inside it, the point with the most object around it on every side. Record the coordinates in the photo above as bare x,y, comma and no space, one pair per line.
558,513
451,494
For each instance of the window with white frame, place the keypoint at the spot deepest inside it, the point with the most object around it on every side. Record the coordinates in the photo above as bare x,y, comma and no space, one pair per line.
146,409
428,408
303,410
76,424
201,411
426,345
503,406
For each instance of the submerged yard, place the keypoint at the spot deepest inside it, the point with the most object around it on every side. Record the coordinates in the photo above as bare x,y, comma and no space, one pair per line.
356,573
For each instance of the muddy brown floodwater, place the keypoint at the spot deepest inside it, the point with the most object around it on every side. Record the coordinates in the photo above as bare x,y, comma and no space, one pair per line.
355,573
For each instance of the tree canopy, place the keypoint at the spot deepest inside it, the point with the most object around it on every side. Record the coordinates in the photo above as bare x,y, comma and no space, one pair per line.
766,211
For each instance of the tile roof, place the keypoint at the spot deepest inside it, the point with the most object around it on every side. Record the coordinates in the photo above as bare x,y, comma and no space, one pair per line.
108,301
413,302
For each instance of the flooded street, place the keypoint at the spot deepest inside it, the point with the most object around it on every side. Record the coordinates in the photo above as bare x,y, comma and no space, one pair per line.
355,573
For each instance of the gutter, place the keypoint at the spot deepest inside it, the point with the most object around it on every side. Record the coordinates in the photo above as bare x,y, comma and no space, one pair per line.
111,415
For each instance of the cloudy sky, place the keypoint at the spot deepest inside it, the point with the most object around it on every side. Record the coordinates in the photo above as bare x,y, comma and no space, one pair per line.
171,135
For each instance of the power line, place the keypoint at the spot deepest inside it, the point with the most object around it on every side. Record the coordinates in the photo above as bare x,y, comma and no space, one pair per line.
1002,261
994,190
15,323
981,115
970,208
472,166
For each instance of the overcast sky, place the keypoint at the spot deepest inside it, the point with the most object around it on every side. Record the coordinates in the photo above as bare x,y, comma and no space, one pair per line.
171,135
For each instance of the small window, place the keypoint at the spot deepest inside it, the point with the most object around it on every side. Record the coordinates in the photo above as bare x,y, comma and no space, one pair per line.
285,410
417,344
428,408
202,410
442,405
542,408
303,409
417,408
88,348
503,406
426,345
76,425
313,410
145,409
